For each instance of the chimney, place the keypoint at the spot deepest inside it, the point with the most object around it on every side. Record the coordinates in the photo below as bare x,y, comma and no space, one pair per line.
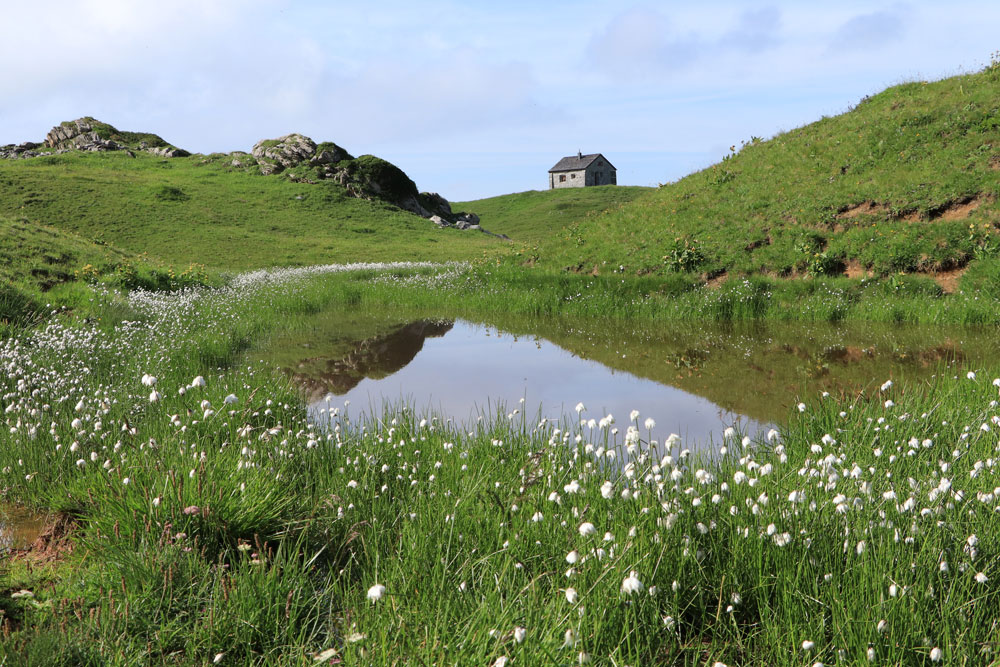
579,155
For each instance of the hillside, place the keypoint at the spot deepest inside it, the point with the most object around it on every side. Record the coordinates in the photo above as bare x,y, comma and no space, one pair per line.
289,202
42,267
535,216
907,181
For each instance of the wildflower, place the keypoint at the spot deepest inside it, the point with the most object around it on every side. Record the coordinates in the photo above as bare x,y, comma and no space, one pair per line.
199,381
500,662
570,639
573,557
981,578
571,595
936,654
376,592
881,626
587,528
230,399
519,634
580,407
886,385
801,407
218,658
154,396
607,490
649,424
631,583
808,645
148,380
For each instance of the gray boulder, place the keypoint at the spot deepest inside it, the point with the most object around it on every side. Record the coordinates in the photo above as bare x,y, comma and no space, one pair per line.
275,155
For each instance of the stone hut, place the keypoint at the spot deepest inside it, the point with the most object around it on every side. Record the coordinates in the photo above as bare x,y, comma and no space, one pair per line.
578,171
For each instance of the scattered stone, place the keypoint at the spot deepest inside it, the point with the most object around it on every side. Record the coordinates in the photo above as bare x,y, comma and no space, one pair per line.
168,151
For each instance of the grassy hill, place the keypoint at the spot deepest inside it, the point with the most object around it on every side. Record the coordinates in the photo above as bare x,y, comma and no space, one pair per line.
201,209
535,216
41,266
907,181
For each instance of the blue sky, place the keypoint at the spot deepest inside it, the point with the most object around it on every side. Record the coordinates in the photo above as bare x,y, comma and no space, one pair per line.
474,99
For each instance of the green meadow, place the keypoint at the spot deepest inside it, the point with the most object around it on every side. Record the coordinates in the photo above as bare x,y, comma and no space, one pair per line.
196,513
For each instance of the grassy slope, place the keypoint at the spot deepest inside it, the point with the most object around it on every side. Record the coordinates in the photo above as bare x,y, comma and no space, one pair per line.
200,209
42,265
533,217
779,206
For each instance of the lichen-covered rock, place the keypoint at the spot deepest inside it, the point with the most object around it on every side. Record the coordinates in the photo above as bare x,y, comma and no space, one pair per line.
90,134
80,134
275,155
329,153
168,151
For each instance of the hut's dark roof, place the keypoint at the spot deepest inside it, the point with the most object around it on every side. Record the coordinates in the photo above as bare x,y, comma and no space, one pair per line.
578,162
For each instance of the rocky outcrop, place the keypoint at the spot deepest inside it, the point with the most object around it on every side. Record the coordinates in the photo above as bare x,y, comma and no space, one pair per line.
21,151
78,135
364,177
90,134
276,155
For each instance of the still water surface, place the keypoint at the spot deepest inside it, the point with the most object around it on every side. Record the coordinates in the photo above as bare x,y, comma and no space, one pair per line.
694,379
466,369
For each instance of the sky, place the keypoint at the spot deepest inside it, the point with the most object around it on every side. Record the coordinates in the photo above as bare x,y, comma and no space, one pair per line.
475,99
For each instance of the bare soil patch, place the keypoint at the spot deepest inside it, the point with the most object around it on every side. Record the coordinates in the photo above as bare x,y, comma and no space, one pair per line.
52,543
949,280
864,208
961,208
715,282
854,269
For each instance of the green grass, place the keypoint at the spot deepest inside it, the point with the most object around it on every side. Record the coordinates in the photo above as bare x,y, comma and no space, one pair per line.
237,528
42,268
201,210
873,187
487,289
537,216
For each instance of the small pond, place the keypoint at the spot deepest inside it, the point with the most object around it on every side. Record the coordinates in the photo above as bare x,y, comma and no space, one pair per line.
693,379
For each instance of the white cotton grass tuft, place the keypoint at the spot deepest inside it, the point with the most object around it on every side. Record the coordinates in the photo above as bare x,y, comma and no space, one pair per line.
572,596
631,584
587,528
376,592
936,654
